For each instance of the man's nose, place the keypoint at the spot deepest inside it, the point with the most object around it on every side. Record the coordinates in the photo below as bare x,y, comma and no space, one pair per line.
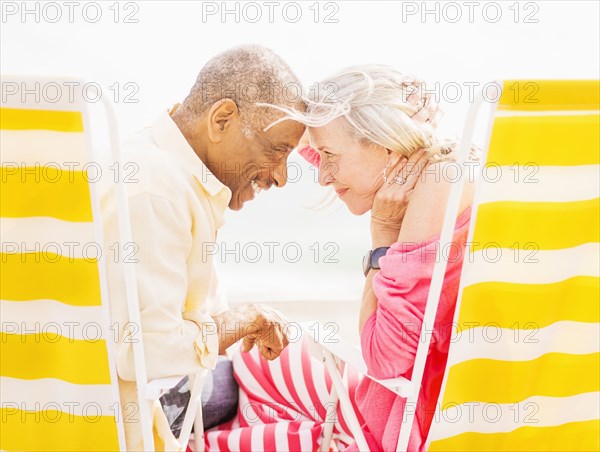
280,174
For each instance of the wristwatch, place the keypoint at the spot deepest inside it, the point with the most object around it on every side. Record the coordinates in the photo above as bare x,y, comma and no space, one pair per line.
371,259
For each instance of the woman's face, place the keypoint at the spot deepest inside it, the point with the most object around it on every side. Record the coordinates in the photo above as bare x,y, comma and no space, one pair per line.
353,169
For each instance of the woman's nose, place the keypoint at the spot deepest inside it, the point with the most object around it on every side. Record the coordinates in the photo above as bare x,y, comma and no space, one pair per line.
326,174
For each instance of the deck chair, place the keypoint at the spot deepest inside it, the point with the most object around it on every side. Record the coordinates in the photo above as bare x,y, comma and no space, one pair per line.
58,380
525,351
541,203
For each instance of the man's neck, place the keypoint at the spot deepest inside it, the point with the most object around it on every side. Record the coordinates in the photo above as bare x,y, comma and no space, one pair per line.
190,130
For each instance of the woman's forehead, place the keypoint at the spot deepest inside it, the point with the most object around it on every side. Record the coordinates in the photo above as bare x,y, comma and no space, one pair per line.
329,135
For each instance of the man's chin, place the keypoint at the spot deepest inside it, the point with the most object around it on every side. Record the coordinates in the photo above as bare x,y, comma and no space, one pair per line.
238,201
236,204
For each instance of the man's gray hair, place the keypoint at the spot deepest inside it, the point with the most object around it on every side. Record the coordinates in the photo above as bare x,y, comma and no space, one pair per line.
254,77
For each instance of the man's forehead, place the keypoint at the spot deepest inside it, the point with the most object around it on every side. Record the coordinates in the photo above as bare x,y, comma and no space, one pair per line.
286,132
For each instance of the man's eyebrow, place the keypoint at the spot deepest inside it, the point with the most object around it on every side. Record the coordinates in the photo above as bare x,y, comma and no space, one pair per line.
287,146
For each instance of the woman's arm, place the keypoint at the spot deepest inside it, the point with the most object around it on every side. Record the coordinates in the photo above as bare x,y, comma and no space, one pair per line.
395,297
425,213
387,214
380,237
425,207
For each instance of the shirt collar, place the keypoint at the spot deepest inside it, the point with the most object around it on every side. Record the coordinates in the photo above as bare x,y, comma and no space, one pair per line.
169,137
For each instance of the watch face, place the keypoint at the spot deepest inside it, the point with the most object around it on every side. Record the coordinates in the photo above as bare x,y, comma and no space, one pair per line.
367,262
376,254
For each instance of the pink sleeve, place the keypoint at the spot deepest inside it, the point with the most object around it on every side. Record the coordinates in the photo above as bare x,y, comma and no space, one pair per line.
310,155
390,336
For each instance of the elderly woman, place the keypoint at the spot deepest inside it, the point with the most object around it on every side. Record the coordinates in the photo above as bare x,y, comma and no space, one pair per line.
372,135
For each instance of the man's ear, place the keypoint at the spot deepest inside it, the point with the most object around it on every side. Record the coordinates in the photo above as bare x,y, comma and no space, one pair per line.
220,117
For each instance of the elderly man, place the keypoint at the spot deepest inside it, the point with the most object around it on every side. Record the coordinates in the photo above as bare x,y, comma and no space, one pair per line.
216,150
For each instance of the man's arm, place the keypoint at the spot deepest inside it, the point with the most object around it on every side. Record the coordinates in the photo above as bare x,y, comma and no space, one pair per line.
178,342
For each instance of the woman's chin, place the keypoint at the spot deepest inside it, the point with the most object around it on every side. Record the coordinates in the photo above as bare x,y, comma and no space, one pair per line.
357,209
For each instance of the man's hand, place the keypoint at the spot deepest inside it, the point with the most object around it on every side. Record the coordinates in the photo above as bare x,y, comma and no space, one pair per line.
255,324
270,335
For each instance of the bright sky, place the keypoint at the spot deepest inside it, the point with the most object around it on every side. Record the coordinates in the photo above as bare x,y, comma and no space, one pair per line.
151,52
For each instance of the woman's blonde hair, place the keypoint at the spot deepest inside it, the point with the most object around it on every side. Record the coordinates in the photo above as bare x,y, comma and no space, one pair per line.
379,105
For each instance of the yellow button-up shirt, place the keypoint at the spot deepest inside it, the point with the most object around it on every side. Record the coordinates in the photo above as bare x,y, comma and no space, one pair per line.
176,206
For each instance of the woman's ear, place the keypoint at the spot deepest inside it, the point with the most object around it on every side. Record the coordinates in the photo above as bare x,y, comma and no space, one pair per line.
394,157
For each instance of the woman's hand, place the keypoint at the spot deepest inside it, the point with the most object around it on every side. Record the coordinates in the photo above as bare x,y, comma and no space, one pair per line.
391,200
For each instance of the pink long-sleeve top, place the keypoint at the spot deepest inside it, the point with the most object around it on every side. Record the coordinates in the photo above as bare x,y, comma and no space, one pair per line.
390,337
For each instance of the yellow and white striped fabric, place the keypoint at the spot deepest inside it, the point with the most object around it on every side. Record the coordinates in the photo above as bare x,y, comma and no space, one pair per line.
524,364
57,382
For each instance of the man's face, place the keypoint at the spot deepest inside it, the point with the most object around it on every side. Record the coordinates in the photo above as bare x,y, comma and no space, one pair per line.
249,164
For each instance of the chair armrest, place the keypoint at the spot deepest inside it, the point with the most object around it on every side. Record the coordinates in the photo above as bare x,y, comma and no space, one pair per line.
323,339
156,388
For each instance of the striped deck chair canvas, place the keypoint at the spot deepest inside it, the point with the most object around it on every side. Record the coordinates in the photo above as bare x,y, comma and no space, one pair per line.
57,381
523,371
